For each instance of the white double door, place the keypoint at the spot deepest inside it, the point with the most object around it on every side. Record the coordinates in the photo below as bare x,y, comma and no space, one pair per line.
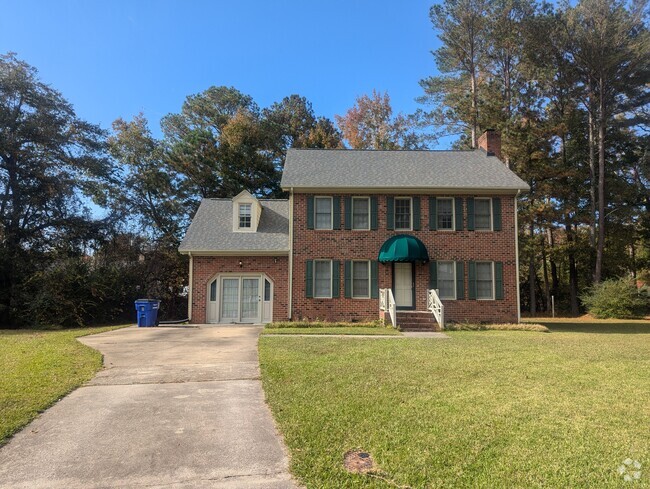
239,299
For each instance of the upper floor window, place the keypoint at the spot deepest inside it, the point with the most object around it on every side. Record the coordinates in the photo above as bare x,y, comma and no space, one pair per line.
403,214
360,213
484,280
245,211
323,212
445,211
483,214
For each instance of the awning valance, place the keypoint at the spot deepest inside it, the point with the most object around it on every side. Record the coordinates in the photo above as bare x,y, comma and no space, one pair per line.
403,248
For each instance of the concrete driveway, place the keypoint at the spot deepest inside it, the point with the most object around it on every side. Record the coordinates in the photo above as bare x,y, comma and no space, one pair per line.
174,408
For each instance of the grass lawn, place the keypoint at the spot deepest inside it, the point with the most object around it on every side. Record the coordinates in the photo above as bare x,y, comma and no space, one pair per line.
345,330
38,368
483,409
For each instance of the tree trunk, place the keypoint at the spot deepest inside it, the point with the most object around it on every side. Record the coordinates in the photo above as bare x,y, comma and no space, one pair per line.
547,286
532,274
573,270
555,281
602,120
474,115
592,173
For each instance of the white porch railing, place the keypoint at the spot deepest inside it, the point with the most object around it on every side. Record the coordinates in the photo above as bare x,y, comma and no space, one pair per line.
435,305
387,303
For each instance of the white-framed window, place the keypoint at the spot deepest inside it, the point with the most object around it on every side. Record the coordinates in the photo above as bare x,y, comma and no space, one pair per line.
485,280
361,213
483,214
403,214
323,279
445,213
447,279
360,279
323,212
245,216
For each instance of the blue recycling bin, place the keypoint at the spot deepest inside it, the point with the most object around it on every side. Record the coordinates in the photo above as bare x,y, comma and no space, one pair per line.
147,311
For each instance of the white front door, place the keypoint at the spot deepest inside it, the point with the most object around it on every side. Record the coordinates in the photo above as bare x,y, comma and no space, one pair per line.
240,300
403,285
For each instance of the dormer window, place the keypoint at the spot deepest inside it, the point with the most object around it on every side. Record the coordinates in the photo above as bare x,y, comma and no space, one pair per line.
245,214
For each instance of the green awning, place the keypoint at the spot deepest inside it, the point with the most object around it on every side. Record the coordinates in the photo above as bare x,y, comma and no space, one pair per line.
403,248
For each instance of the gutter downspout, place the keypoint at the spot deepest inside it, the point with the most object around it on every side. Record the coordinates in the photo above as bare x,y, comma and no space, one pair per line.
189,291
290,298
517,257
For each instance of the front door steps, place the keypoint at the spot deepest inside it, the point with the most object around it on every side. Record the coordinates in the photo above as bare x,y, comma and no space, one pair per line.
416,321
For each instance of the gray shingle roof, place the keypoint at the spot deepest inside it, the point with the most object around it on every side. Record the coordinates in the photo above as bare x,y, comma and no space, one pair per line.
372,169
212,229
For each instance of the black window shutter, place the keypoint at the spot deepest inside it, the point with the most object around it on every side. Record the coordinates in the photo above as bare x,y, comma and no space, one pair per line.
416,213
336,212
374,279
458,202
471,280
460,280
433,274
348,279
310,212
498,280
433,213
496,214
336,278
348,213
390,213
309,279
470,213
373,213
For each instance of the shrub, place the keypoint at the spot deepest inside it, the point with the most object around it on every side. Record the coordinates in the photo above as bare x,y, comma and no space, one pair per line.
616,298
496,327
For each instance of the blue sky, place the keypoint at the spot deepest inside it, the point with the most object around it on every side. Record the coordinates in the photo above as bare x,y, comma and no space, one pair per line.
116,58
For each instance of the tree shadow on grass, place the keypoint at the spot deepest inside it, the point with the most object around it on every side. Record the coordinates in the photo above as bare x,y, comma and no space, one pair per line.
598,328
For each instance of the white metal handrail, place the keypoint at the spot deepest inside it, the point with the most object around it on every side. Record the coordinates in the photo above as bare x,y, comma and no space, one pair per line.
387,303
435,305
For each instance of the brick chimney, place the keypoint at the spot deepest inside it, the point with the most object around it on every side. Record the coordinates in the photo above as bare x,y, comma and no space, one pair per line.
490,142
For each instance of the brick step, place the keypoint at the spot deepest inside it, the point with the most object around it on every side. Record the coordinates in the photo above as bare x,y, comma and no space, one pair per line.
418,326
416,319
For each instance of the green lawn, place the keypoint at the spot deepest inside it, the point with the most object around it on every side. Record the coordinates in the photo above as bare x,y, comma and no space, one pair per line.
38,368
483,409
344,330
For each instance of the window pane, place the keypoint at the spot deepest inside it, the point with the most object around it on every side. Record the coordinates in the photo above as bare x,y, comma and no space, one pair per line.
230,298
446,284
244,215
323,213
445,214
402,213
360,279
360,214
482,214
267,290
213,291
484,280
322,279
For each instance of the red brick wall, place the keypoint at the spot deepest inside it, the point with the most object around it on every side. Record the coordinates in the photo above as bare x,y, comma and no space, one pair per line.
207,267
442,245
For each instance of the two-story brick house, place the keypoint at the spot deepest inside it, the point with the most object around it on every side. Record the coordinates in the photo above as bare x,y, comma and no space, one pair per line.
360,226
